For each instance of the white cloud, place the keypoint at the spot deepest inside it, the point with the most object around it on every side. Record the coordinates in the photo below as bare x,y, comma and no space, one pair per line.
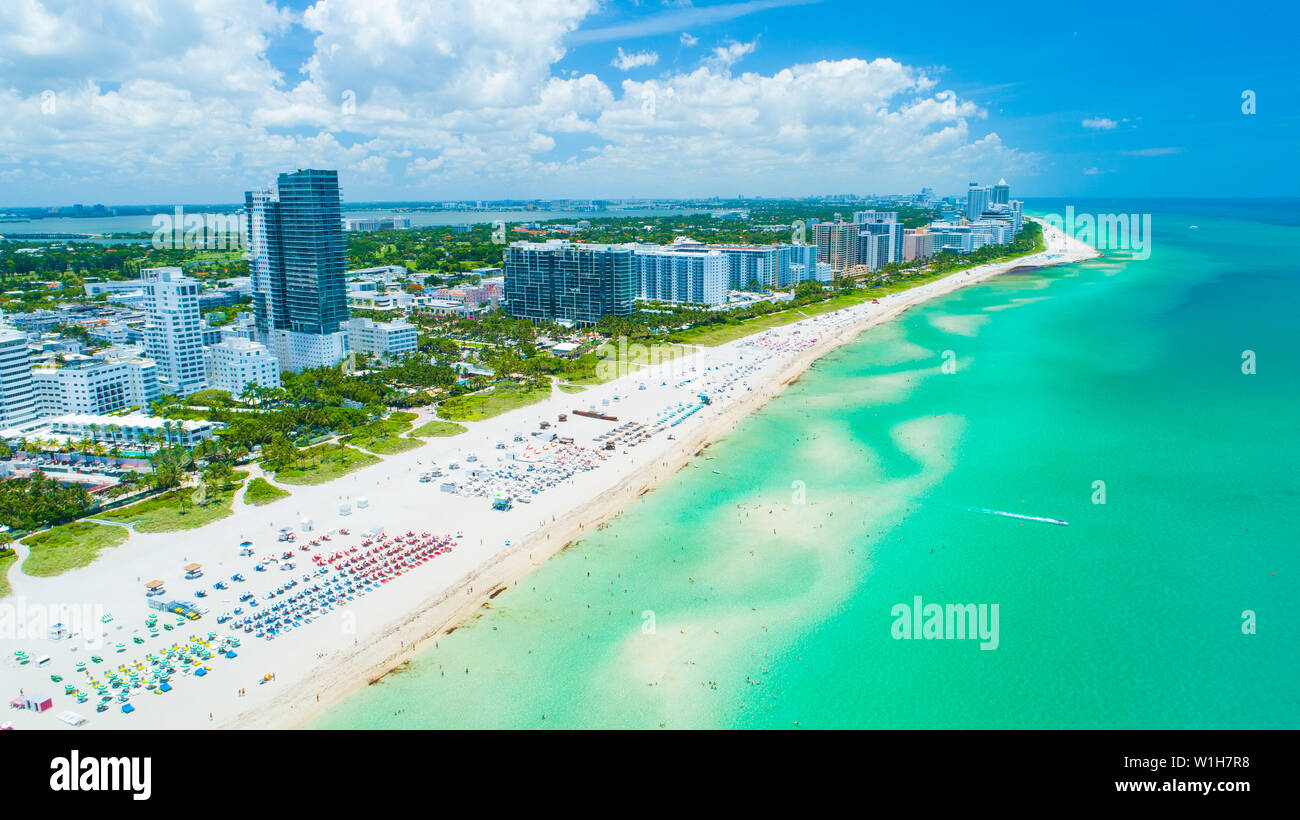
465,100
627,62
1092,172
728,54
688,40
1100,124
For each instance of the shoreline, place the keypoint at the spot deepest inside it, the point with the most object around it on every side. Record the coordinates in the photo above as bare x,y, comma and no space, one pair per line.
359,643
439,617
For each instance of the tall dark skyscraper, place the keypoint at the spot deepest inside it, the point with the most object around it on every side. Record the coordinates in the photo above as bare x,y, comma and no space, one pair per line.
298,259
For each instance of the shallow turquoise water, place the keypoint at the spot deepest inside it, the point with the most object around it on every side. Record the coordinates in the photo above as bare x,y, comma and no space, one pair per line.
767,612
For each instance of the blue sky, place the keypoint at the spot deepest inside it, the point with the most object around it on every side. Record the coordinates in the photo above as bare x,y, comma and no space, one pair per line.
560,98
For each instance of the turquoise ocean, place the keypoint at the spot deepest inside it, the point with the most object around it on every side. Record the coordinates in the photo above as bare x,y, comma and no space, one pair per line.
761,595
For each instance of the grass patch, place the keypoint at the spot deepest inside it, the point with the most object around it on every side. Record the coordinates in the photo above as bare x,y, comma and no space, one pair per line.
491,403
439,428
260,491
69,546
324,463
175,510
7,559
571,388
385,445
384,435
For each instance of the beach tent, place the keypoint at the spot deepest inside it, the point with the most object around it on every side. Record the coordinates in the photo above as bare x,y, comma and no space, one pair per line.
127,708
166,687
231,654
362,502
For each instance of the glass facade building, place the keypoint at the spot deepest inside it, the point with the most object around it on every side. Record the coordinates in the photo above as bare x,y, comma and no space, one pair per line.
560,280
298,262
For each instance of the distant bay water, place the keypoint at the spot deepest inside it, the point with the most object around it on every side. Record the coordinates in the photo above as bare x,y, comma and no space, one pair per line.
143,223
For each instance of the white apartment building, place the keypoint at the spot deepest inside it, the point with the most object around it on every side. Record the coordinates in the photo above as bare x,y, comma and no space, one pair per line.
17,399
235,363
173,331
668,276
130,429
386,339
95,386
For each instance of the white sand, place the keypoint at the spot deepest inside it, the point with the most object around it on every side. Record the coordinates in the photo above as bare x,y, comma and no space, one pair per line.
345,649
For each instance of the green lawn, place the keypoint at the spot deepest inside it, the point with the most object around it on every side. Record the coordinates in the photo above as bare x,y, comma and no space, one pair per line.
439,428
385,445
323,463
260,491
489,403
174,510
7,558
70,546
384,435
571,388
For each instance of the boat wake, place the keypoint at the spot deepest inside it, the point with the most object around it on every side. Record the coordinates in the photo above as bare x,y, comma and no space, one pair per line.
1018,515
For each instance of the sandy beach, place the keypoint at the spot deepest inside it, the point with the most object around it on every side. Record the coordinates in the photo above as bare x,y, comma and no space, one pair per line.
354,642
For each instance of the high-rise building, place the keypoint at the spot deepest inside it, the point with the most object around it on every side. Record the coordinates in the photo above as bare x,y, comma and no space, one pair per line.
874,248
17,399
977,201
864,217
173,331
298,258
667,276
837,243
565,281
1001,193
803,265
892,232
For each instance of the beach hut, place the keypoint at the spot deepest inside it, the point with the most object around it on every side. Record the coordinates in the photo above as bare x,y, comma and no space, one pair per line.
362,502
154,587
193,571
305,525
37,703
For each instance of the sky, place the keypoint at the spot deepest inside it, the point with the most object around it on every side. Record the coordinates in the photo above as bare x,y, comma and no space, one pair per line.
194,101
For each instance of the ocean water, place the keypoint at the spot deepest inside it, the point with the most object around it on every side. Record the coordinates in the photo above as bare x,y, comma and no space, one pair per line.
762,596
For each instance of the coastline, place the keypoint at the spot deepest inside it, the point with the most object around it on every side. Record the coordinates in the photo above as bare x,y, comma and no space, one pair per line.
374,635
444,614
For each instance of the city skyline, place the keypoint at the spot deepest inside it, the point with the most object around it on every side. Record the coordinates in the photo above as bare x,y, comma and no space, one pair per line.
637,100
